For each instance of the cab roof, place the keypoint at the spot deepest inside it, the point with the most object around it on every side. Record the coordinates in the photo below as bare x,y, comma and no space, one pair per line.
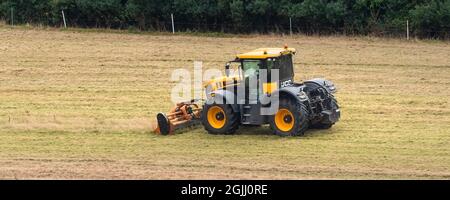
264,53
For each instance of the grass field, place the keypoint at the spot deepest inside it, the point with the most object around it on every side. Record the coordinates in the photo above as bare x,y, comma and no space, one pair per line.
78,105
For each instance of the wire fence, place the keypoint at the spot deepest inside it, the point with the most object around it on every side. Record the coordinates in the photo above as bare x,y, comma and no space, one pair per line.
287,29
283,28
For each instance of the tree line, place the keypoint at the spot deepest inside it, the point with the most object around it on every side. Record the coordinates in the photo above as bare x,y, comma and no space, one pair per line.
427,18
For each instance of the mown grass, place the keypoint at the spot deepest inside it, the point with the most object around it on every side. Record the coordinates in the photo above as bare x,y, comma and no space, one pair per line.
79,104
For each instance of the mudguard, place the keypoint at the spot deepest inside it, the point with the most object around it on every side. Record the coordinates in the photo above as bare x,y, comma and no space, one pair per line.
326,84
294,91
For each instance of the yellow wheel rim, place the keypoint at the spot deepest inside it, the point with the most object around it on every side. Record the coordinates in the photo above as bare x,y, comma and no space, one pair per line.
216,117
284,120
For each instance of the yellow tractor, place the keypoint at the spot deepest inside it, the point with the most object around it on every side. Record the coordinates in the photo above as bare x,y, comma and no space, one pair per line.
262,78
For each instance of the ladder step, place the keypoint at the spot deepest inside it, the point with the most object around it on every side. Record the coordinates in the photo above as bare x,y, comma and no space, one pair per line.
247,107
245,122
247,115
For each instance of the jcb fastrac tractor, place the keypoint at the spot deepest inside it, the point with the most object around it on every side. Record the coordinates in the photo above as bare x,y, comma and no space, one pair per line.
309,104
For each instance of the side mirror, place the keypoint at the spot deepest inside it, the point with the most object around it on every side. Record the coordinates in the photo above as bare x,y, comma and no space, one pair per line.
227,69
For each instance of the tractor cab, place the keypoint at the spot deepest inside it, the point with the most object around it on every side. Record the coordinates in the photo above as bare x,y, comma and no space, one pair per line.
249,64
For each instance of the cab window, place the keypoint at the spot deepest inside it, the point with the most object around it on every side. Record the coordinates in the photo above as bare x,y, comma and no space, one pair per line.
284,64
251,67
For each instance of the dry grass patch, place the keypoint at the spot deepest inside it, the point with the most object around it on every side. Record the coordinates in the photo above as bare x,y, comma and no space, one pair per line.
78,105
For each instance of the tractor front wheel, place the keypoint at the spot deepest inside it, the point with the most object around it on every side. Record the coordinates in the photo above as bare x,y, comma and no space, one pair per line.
291,119
219,119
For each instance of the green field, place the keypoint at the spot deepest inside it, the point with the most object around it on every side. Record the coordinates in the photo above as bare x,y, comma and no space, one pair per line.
79,104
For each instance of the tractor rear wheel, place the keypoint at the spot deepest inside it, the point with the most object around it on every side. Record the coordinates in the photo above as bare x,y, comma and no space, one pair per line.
220,119
291,119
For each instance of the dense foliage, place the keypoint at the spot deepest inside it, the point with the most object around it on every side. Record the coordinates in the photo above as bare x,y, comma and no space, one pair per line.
428,18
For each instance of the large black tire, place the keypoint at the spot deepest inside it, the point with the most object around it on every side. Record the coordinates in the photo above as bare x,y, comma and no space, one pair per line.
321,125
231,124
300,118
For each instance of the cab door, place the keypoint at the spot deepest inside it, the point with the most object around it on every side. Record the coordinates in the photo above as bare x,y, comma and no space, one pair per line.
251,76
251,106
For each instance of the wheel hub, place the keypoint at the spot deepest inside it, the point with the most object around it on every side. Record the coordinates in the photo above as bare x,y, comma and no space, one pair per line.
220,116
284,120
216,117
287,119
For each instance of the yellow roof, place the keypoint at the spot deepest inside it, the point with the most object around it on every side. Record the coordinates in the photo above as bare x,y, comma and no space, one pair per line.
263,53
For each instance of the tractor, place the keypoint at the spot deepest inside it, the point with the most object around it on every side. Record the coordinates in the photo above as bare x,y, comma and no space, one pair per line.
308,104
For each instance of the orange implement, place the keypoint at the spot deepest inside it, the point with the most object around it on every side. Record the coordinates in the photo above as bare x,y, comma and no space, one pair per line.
183,115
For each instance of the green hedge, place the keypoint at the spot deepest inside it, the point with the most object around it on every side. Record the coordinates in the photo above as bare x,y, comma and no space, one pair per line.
428,18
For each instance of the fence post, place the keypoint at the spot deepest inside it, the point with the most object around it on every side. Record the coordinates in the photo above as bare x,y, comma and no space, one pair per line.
407,29
12,16
64,18
173,25
290,26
